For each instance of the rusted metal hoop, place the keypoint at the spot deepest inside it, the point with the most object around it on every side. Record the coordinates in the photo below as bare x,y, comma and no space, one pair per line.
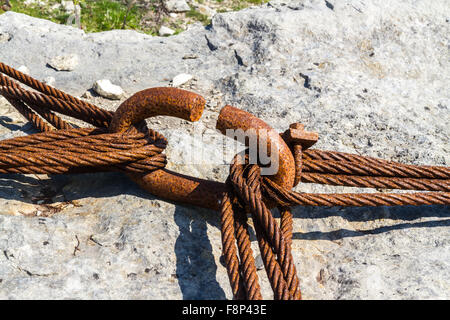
234,118
186,105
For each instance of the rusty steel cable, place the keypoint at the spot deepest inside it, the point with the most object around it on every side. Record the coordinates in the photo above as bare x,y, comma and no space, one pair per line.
121,141
377,182
50,91
30,115
95,116
54,152
23,109
248,265
46,114
376,170
276,253
291,198
229,248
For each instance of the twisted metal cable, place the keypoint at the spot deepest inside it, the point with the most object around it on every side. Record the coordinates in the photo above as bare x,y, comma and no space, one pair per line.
286,226
49,116
50,91
46,137
28,114
247,261
23,109
274,241
284,253
291,198
377,182
95,116
246,286
274,249
74,150
326,155
55,153
375,169
139,150
273,269
77,139
229,251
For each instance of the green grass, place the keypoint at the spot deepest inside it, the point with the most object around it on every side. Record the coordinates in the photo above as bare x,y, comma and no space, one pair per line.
108,15
45,12
256,2
239,5
95,15
103,15
198,16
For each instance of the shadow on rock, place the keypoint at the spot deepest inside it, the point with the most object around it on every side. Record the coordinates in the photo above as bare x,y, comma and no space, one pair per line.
196,267
7,122
403,213
345,233
67,187
59,188
407,213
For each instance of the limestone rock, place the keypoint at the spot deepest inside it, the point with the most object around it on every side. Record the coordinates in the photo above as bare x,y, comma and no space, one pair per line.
205,10
4,37
181,79
176,5
68,6
165,31
65,62
371,77
108,90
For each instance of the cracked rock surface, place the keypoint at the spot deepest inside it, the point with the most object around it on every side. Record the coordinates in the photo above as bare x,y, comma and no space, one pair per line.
371,77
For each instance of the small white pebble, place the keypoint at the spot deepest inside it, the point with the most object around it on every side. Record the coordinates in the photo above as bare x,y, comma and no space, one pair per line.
108,90
65,63
87,95
68,6
165,31
24,69
49,81
181,79
56,6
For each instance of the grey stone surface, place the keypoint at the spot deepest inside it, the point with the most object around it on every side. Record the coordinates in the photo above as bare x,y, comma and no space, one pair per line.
371,77
65,63
176,5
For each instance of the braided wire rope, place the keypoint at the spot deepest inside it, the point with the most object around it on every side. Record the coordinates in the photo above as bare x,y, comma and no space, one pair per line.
139,150
312,166
71,150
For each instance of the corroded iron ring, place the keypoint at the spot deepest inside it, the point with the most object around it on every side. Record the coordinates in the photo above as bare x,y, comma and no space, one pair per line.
234,118
189,106
157,102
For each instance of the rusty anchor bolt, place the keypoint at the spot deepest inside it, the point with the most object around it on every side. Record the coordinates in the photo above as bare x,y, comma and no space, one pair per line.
297,135
298,140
